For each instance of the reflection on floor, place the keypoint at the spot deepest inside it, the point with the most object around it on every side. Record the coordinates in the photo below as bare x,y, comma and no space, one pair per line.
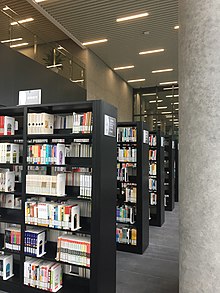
156,271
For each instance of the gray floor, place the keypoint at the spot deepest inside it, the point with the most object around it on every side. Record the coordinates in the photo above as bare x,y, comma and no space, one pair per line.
156,271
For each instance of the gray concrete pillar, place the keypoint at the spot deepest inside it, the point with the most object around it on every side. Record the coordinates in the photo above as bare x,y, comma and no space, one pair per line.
199,80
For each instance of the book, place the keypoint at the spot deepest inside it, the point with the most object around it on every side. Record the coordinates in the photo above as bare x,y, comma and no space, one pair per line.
127,154
126,235
126,134
9,153
82,122
12,238
7,180
40,123
34,241
126,214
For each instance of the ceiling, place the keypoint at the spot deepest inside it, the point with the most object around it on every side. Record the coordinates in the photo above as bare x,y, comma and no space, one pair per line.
41,26
92,20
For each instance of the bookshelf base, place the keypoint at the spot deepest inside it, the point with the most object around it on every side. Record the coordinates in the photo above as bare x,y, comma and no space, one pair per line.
129,248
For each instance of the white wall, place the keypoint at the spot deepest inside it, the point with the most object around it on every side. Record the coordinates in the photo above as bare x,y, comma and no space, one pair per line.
103,83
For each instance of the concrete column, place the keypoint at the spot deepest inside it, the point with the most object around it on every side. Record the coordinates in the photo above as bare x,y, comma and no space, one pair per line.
150,122
199,80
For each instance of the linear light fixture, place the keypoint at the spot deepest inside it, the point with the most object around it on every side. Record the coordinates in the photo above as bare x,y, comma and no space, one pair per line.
55,65
168,116
8,8
132,17
150,94
22,21
176,119
163,107
162,70
78,80
177,109
11,40
176,27
155,101
164,113
38,1
124,67
177,103
95,42
172,96
170,88
137,80
168,82
151,51
19,45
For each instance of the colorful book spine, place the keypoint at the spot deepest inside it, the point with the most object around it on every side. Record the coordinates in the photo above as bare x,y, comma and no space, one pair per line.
126,235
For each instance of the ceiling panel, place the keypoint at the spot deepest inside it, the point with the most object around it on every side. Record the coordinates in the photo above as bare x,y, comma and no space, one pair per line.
91,20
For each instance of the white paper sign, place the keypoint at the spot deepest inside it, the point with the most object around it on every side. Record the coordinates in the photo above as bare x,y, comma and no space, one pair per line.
145,136
109,126
30,97
162,141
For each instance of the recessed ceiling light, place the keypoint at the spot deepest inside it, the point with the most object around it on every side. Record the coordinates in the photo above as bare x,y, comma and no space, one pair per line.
170,88
150,94
95,42
162,70
168,82
137,80
11,40
151,51
166,113
55,65
19,45
172,96
163,107
22,21
132,17
77,80
155,101
124,67
154,119
176,27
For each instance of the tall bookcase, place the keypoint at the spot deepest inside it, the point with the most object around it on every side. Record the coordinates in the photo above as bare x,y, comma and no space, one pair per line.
176,170
132,235
156,179
101,225
169,164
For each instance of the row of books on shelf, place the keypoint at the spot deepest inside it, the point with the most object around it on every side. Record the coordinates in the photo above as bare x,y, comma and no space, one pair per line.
130,192
152,184
126,134
126,235
10,201
127,154
153,155
9,153
6,265
44,275
74,249
152,140
64,216
46,154
46,184
125,170
44,123
153,169
7,180
125,214
79,149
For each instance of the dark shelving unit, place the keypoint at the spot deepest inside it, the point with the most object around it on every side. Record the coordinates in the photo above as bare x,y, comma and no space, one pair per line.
176,170
157,209
169,180
140,179
101,225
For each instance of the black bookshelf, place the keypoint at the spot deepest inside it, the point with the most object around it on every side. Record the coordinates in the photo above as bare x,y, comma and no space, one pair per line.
156,194
139,178
176,170
169,180
101,225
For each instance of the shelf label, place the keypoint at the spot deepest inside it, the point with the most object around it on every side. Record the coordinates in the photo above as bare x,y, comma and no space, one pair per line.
145,136
29,97
109,126
162,141
173,145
